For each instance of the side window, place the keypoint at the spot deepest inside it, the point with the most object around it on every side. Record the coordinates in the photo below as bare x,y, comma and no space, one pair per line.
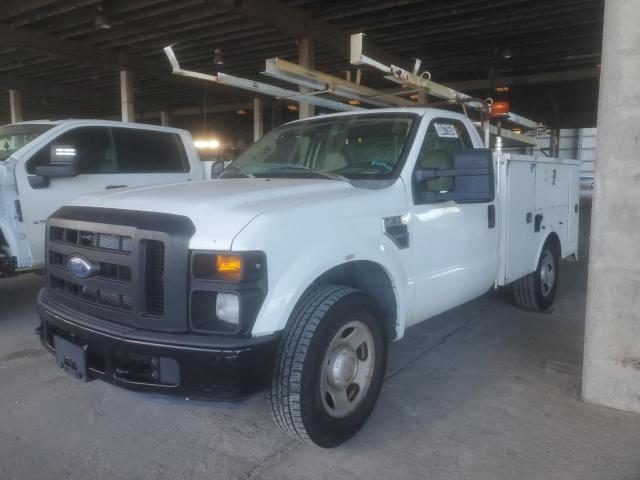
93,147
149,151
443,139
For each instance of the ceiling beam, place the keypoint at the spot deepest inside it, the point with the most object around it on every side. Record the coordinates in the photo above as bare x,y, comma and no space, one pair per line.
525,80
13,8
77,52
297,23
36,87
222,107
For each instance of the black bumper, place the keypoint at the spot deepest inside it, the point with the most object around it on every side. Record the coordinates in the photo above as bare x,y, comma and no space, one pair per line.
194,366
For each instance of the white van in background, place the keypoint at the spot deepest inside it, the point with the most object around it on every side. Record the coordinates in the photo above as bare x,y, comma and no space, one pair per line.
46,164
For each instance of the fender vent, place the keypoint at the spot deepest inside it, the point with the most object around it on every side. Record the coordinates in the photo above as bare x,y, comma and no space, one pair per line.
397,229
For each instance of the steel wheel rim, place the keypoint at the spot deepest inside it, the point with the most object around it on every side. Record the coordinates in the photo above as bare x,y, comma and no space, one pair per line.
347,369
547,273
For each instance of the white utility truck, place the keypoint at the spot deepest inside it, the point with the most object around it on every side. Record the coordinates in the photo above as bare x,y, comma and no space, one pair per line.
293,270
46,164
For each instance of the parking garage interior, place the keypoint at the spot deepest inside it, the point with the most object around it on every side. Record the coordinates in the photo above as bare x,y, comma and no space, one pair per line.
483,391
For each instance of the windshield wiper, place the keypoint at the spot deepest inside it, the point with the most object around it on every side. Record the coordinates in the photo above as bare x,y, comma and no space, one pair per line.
304,168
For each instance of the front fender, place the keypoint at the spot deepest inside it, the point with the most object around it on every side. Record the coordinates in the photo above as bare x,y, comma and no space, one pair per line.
293,266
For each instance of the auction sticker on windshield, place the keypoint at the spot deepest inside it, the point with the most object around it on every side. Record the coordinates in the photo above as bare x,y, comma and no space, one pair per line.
446,130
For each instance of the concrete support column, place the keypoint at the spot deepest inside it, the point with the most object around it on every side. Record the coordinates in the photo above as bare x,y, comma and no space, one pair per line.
258,119
306,58
612,336
15,105
126,96
165,118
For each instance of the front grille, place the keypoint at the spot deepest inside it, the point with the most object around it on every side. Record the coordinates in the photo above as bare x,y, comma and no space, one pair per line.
110,271
135,258
111,286
155,277
103,241
92,295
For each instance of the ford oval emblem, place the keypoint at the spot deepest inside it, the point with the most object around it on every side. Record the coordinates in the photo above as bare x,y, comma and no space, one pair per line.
80,267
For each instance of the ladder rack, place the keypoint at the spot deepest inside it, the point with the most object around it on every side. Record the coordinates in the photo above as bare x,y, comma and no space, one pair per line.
335,88
415,80
257,87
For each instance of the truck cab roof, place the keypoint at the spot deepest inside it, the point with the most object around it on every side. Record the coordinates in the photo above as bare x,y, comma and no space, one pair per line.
421,111
79,122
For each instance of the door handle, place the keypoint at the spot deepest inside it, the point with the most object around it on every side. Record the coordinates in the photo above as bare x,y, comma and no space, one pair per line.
111,187
491,216
537,222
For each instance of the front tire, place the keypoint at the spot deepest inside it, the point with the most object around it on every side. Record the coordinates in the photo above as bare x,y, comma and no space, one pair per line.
537,290
330,366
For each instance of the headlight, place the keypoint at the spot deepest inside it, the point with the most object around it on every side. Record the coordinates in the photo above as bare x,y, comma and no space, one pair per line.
227,291
228,308
215,312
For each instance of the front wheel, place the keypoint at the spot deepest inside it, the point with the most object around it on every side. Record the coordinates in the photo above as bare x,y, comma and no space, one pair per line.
537,290
330,366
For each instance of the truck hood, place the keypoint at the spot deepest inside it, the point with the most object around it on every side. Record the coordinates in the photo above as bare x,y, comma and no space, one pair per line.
219,209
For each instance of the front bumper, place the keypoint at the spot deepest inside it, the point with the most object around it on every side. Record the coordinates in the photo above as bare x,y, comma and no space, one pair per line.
194,366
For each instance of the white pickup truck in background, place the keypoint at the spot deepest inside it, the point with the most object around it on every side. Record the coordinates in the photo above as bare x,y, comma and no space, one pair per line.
293,270
46,164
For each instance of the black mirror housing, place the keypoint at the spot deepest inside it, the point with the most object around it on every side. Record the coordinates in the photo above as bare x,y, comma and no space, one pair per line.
38,182
473,178
217,168
57,171
63,162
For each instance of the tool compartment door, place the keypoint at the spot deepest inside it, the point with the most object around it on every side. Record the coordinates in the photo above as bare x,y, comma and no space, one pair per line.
517,187
551,200
574,211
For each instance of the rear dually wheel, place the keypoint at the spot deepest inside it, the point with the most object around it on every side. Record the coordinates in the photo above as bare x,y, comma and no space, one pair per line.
537,290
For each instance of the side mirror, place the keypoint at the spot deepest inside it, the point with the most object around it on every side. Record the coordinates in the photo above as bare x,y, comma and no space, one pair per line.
217,168
213,168
63,162
207,166
472,175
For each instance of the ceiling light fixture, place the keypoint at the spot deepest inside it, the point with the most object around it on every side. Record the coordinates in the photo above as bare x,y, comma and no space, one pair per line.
210,144
101,20
507,54
218,57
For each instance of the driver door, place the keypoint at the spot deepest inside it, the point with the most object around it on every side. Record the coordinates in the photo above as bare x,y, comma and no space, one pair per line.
454,243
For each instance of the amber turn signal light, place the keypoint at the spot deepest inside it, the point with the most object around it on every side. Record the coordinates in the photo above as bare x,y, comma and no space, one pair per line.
229,266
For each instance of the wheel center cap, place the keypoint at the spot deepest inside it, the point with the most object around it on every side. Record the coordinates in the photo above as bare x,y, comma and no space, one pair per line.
343,365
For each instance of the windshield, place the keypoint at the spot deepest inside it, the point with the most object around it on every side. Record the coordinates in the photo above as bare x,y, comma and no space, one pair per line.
352,146
13,137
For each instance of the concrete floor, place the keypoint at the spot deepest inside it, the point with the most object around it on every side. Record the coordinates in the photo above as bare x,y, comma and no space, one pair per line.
483,392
